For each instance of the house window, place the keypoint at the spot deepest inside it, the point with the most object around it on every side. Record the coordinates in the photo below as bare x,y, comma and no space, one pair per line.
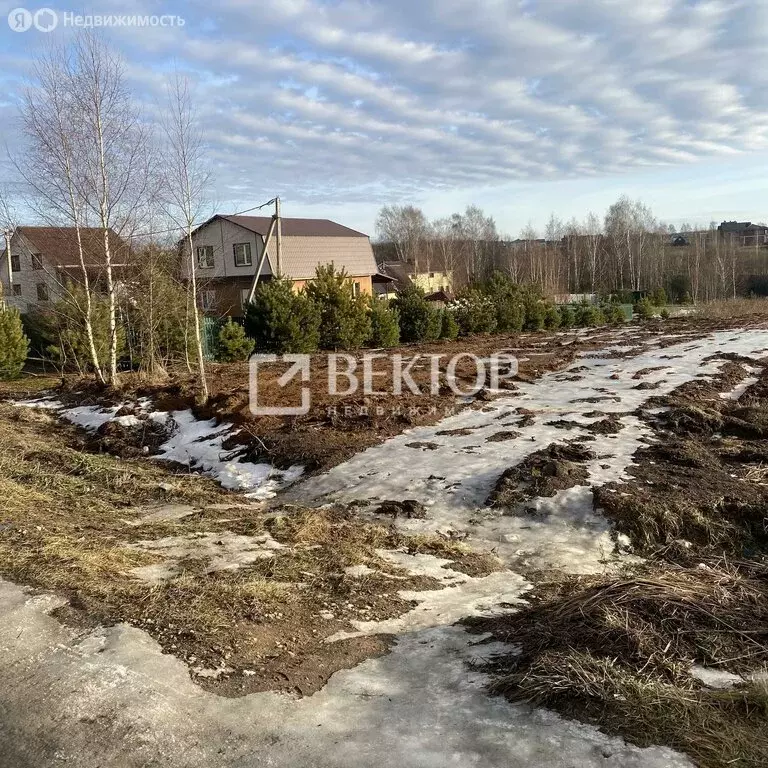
205,257
431,275
16,263
37,261
42,292
244,294
242,254
207,300
356,289
16,289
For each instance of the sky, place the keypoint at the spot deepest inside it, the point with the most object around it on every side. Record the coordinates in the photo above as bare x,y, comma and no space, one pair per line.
523,107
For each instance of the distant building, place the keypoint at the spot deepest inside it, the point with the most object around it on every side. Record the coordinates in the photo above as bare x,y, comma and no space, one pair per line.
744,232
403,273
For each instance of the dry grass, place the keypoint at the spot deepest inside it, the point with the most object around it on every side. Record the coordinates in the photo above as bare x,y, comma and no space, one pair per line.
619,654
728,309
68,523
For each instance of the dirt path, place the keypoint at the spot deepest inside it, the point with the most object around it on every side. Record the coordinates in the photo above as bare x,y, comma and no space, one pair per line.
108,696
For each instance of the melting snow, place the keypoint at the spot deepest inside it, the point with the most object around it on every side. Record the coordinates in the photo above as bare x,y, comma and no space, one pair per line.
195,443
455,478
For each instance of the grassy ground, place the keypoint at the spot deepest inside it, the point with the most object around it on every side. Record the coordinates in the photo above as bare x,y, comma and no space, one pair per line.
70,521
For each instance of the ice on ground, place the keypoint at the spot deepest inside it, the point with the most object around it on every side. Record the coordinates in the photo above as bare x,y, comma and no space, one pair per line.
743,386
419,706
223,551
715,678
462,596
195,443
455,479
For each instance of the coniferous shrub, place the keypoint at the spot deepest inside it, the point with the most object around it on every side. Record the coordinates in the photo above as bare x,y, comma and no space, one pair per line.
567,316
614,314
14,345
415,313
281,321
507,298
449,328
233,345
385,326
644,309
551,317
344,317
474,312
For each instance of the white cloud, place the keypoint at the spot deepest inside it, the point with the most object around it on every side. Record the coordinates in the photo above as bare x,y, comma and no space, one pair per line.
314,98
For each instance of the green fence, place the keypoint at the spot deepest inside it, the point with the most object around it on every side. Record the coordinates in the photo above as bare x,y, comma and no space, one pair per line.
211,328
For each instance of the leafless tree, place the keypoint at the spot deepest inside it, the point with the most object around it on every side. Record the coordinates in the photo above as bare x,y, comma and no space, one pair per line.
115,148
407,228
53,164
186,180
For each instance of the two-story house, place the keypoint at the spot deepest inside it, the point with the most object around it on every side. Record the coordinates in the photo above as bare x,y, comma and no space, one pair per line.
228,251
44,260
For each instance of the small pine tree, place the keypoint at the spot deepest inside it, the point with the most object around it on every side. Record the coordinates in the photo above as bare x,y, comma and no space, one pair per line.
435,324
534,314
614,314
14,345
415,313
233,344
385,327
589,316
344,317
474,312
282,321
567,316
644,309
508,300
665,314
659,298
449,328
551,317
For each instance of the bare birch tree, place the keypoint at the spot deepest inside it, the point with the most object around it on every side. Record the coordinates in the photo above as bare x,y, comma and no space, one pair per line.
186,180
51,164
115,149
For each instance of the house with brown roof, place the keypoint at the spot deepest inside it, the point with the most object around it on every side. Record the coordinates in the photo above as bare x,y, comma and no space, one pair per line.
228,251
44,260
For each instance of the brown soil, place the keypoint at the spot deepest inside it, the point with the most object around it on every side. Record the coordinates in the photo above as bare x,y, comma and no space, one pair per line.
543,473
700,487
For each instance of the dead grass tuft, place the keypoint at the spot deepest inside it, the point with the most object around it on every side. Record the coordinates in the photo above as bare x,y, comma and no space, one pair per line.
619,653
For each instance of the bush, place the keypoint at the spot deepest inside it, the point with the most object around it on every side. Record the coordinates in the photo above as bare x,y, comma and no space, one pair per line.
643,309
551,317
449,328
281,321
385,326
344,320
233,345
567,316
435,325
14,345
474,312
534,314
416,315
508,301
659,297
589,316
665,314
614,314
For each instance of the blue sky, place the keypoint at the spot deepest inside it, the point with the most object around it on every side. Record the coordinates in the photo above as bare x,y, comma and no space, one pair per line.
524,107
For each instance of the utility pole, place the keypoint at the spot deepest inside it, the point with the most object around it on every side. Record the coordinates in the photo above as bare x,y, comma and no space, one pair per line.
279,237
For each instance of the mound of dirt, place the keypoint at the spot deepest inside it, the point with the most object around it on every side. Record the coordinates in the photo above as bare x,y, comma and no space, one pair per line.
543,473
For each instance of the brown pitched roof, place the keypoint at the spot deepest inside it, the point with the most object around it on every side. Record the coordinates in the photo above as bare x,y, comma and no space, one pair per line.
59,245
295,227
